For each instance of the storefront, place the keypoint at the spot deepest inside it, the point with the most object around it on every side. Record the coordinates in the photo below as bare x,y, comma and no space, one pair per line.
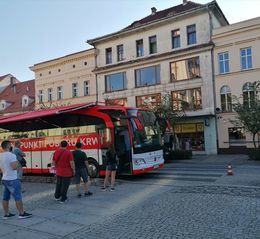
191,135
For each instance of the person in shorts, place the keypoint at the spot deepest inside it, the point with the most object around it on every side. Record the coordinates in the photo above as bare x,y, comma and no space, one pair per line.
19,155
110,168
11,184
81,170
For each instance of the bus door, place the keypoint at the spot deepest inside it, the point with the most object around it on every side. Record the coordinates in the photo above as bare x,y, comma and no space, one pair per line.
123,150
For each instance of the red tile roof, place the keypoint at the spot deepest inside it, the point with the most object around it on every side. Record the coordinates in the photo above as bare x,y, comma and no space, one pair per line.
13,95
165,13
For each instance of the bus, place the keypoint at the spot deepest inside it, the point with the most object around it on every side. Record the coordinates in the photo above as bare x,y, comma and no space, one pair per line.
134,132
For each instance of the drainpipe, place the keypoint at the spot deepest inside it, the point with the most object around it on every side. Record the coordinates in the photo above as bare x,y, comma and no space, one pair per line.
96,78
213,76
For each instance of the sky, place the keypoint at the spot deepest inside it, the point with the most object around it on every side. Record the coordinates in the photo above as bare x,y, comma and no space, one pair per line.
33,31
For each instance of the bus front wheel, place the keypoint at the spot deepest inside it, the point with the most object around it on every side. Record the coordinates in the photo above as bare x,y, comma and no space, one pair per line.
93,168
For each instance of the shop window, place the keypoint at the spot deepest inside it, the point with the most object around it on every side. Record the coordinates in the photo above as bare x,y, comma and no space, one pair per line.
236,136
191,134
185,69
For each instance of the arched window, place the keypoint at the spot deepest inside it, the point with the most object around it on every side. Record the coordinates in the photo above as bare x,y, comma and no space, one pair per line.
226,99
248,93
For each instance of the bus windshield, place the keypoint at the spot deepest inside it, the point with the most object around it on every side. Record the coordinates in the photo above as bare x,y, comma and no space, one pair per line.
146,132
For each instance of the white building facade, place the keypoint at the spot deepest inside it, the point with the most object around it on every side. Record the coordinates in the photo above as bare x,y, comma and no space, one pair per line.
167,52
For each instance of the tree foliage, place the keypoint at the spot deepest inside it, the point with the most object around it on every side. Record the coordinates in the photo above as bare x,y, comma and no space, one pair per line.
248,113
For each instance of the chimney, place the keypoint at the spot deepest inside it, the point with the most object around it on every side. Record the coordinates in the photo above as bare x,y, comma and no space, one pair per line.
153,10
184,2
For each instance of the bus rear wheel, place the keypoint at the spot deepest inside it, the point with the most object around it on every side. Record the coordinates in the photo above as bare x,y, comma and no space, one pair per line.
93,168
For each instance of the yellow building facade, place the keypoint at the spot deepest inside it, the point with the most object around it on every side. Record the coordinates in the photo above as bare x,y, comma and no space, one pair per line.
66,80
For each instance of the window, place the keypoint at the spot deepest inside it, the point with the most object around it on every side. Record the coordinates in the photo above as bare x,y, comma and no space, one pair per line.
139,48
109,55
185,69
25,101
223,62
147,76
120,101
148,100
75,90
41,96
189,100
2,105
115,82
176,40
50,96
246,58
120,53
59,92
191,34
152,44
236,135
86,88
226,99
248,94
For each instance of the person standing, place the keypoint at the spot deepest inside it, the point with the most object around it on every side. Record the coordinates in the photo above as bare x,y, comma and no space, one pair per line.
19,155
65,169
82,170
110,168
11,184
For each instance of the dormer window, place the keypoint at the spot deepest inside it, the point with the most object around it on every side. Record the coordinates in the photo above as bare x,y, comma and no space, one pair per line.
2,105
25,101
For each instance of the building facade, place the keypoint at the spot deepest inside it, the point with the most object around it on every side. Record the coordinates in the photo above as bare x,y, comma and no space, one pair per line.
17,97
167,52
237,67
7,80
65,80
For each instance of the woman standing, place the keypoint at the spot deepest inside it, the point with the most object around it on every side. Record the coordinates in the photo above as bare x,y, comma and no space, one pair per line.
110,168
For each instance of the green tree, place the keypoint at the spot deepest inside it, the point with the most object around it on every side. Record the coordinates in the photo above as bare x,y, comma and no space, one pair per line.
248,112
166,114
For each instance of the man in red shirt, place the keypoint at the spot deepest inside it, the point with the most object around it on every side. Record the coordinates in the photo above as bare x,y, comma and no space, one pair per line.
65,170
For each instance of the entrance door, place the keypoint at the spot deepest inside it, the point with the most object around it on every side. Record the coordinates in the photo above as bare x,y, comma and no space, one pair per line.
123,150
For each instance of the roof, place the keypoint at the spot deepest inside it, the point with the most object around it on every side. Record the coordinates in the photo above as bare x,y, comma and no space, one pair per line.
165,14
4,76
13,94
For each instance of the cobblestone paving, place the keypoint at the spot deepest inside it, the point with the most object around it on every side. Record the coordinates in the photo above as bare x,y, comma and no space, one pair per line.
198,212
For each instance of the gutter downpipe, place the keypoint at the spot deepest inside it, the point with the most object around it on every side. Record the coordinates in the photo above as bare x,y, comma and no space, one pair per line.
213,76
96,78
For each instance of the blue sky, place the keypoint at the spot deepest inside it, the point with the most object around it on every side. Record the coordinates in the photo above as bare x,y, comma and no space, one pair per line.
32,31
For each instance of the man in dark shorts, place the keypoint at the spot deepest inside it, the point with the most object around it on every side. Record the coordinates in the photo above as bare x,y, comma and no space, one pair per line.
82,169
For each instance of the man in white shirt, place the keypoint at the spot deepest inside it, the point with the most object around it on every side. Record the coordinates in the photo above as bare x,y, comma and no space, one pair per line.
12,185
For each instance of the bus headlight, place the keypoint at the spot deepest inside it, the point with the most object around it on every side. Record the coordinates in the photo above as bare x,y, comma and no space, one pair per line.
139,161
